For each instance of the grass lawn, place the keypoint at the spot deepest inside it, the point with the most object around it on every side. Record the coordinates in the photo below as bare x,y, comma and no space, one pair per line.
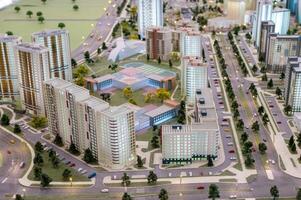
100,67
56,173
54,12
8,113
118,98
147,136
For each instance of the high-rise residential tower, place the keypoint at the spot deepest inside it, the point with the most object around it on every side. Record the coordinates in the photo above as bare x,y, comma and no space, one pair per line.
281,19
191,42
57,41
33,68
150,13
236,10
279,48
194,76
267,27
263,13
293,84
9,84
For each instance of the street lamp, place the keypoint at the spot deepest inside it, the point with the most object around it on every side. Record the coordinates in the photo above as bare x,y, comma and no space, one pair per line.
92,25
180,194
70,179
24,190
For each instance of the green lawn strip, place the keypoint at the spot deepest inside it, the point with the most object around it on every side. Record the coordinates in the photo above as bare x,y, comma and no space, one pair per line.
147,136
137,184
54,12
56,173
228,180
7,112
251,178
99,196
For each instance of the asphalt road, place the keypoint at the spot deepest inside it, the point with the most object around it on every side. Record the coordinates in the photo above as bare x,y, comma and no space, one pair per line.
101,31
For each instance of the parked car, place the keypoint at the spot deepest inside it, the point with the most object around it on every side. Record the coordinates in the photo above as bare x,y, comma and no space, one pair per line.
105,190
22,165
233,158
231,151
200,187
72,165
92,175
233,196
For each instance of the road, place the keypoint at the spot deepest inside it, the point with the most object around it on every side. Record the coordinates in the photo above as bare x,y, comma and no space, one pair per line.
102,30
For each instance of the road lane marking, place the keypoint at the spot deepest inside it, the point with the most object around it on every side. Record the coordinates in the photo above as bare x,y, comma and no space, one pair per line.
4,180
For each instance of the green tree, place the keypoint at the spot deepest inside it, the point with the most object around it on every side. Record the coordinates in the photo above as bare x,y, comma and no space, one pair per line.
298,196
38,159
75,7
39,122
5,120
162,94
291,141
61,25
51,154
288,109
299,139
37,172
19,197
87,56
170,63
66,174
247,148
244,137
104,46
264,77
240,124
41,19
45,180
147,57
55,162
38,147
139,162
278,92
213,192
210,161
73,62
29,13
88,156
152,178
254,68
262,148
260,110
125,180
9,33
58,140
159,60
155,142
255,126
163,195
126,196
128,92
17,129
265,119
44,1
17,9
270,84
249,161
274,192
39,13
73,149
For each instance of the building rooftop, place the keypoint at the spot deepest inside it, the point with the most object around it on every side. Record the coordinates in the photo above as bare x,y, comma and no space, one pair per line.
9,38
190,128
159,110
114,111
96,103
31,47
194,61
58,83
49,32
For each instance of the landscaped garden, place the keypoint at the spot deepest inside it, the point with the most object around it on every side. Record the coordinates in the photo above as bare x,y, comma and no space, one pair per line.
81,13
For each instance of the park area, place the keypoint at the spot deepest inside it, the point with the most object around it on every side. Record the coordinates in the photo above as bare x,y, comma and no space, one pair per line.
54,12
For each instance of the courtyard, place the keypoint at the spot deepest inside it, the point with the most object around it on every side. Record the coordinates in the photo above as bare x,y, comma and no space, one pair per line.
54,12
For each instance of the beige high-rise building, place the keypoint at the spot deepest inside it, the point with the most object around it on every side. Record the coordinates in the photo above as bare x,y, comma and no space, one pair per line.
89,122
236,10
159,43
33,68
9,84
58,43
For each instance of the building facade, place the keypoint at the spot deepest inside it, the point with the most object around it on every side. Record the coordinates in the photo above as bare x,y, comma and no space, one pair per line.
89,122
263,13
159,43
58,43
9,84
293,84
236,10
281,19
186,143
191,42
33,68
279,48
194,76
150,13
267,27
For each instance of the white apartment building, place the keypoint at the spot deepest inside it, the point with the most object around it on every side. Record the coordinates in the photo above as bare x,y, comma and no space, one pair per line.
150,13
279,48
58,43
263,13
33,68
9,84
118,140
194,76
281,18
191,42
89,122
186,143
293,84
